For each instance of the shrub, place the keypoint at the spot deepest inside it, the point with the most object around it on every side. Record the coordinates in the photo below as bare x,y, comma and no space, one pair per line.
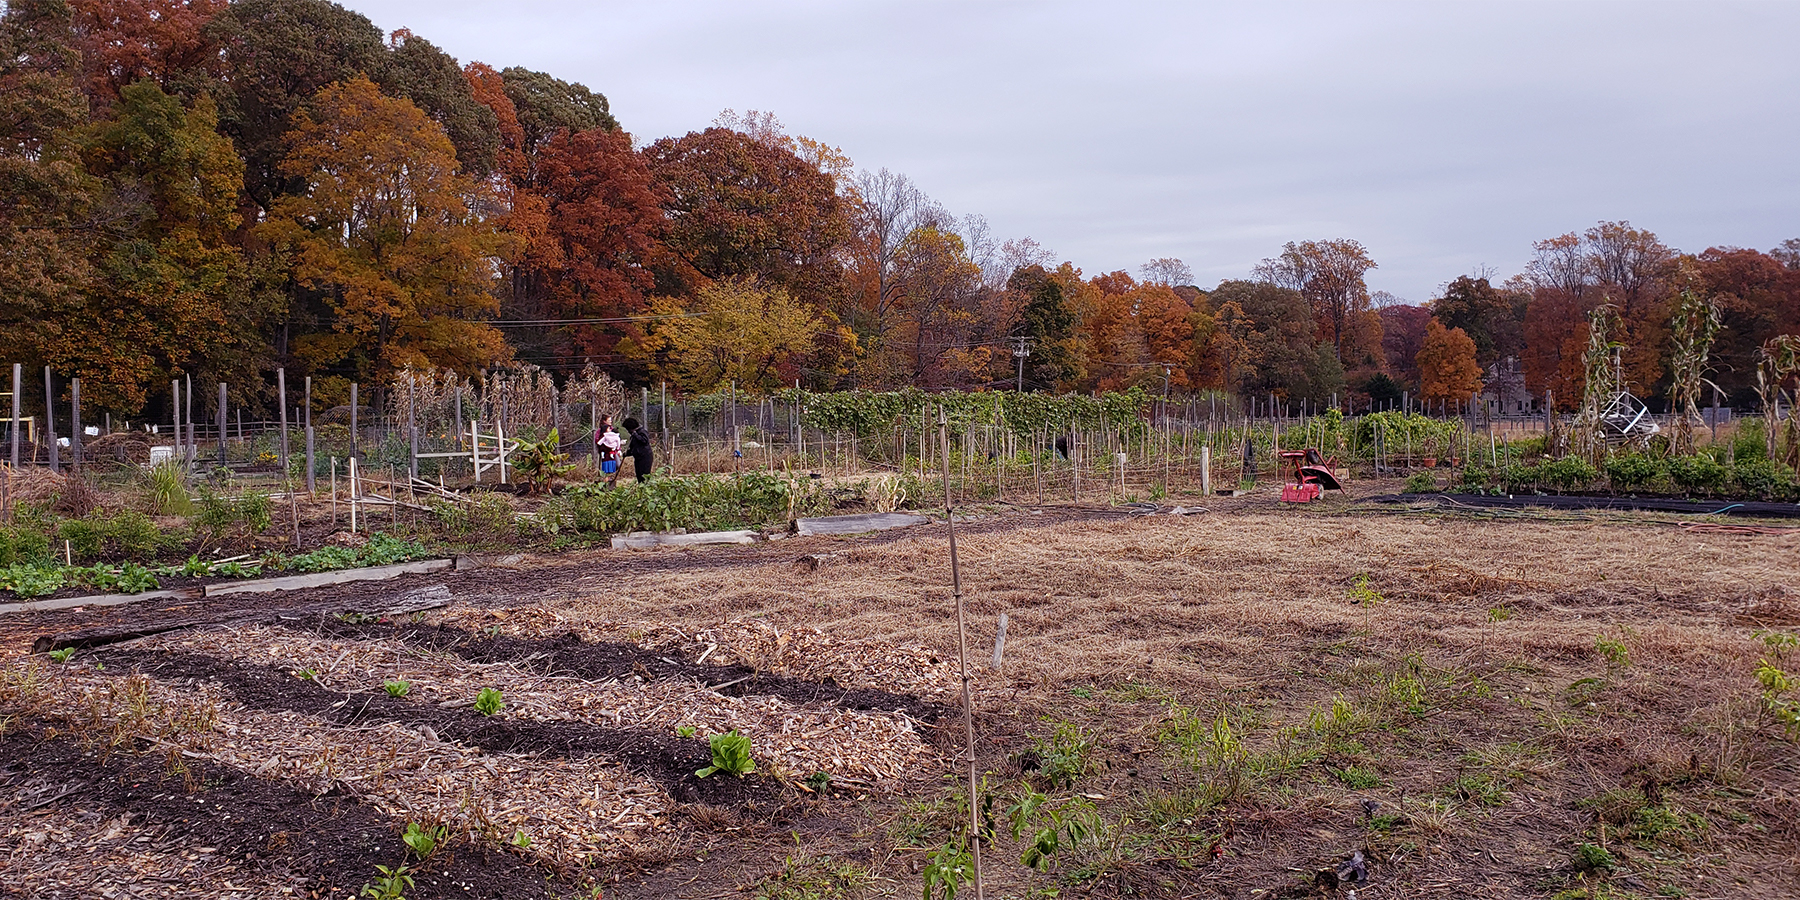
167,493
1571,473
1761,479
1475,476
1631,471
1421,483
86,537
1697,474
22,544
135,535
1750,440
1518,478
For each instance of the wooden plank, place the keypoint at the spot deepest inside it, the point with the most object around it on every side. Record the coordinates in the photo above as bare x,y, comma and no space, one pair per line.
644,540
323,579
93,600
858,524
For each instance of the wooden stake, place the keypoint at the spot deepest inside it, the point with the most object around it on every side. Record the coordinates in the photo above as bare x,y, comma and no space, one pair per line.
75,434
281,398
50,424
18,374
962,656
1000,642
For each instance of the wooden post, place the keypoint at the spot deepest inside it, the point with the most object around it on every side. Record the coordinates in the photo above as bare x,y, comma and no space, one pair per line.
306,413
193,439
962,653
353,421
219,416
475,447
500,448
1000,642
459,417
334,497
50,423
353,494
412,430
175,402
18,375
1206,470
75,422
281,397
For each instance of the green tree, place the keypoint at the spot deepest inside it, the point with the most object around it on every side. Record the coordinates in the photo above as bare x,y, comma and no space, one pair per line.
1494,318
736,330
385,236
1048,327
548,106
418,70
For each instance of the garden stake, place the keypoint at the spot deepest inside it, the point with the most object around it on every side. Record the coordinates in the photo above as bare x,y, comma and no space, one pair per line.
962,656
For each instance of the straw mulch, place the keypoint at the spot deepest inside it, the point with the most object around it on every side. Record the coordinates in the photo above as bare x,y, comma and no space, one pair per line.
871,750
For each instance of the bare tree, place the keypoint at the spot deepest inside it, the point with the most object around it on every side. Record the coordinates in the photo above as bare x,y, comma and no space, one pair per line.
1167,271
1330,275
1561,263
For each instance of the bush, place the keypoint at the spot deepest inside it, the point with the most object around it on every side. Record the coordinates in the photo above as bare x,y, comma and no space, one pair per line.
699,501
86,538
1697,474
1750,440
1761,479
1475,477
1631,471
1421,483
1571,473
1518,478
23,545
135,536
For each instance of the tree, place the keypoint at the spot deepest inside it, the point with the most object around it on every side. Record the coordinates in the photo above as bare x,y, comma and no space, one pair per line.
47,219
1402,334
1447,367
1556,334
1492,317
947,335
547,106
1612,262
174,293
1273,328
418,71
736,330
1758,298
279,53
1166,271
1047,327
1330,275
738,207
385,237
122,41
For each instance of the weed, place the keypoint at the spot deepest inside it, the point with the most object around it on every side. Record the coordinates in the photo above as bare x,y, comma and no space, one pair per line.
813,878
1361,594
1499,614
166,490
489,701
1337,725
1617,655
1584,690
1593,858
1353,777
424,841
1064,758
520,840
306,675
730,754
391,885
1480,788
63,655
684,731
396,688
26,580
1780,643
1082,691
820,782
1421,483
947,870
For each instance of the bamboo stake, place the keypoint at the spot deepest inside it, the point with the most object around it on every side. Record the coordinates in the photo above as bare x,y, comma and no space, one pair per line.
962,657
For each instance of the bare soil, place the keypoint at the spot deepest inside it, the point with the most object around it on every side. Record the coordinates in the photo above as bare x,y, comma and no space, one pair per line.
1522,704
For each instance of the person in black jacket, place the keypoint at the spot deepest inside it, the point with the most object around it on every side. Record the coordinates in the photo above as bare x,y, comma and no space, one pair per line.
642,458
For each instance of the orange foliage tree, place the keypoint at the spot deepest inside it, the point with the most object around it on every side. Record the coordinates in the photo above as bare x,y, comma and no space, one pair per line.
1447,366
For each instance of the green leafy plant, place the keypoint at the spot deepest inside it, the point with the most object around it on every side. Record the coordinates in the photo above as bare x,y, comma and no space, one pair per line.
730,754
1568,474
820,782
1361,593
1064,758
1699,473
423,840
27,580
63,655
396,688
1633,471
1421,483
520,840
1614,650
391,885
22,544
166,490
540,463
947,870
306,675
489,701
684,731
1593,858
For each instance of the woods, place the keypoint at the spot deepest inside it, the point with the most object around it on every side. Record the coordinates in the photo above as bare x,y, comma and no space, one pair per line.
213,190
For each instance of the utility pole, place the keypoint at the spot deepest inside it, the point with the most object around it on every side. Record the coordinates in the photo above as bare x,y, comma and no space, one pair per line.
1022,350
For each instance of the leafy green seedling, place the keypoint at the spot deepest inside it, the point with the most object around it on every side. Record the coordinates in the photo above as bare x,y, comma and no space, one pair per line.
520,840
819,781
686,731
63,655
424,841
396,688
1361,594
730,754
489,701
306,675
391,885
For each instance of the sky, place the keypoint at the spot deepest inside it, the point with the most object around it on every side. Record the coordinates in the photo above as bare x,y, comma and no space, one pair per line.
1447,137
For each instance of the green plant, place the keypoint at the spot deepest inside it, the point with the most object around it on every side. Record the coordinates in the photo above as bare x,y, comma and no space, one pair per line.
820,782
423,840
1064,757
1358,778
1761,479
1421,483
1699,473
730,754
166,490
1053,826
813,878
1632,471
27,580
396,688
21,544
63,655
86,537
306,675
1593,858
540,463
1614,650
1570,473
391,885
1361,593
489,701
684,731
520,840
947,870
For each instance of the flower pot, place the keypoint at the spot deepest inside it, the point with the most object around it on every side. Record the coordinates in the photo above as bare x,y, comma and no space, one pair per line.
1429,462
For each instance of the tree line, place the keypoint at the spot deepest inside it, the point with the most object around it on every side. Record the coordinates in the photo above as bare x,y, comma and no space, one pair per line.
213,189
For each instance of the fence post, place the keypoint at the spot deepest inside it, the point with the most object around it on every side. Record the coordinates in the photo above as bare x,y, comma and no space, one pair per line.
352,420
220,416
281,397
193,442
18,374
75,421
50,423
412,430
175,403
306,411
1205,470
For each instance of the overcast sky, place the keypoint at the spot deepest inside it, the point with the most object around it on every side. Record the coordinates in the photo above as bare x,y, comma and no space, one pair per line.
1444,136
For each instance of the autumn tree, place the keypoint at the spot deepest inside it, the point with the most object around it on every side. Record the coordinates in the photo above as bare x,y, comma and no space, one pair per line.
385,239
1273,329
174,293
1492,317
737,206
1047,327
736,330
1758,298
122,41
1615,263
47,219
547,106
1402,334
1447,367
947,338
1330,275
1166,271
418,70
884,209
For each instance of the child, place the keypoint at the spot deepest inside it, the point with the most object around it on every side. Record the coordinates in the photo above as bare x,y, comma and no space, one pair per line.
607,446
